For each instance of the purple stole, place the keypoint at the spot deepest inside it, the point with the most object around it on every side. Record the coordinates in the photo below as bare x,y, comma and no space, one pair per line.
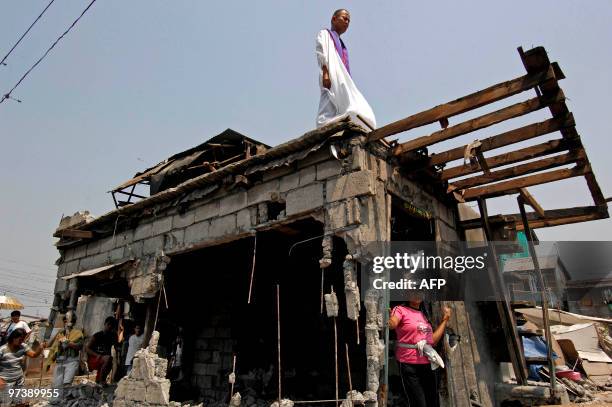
341,49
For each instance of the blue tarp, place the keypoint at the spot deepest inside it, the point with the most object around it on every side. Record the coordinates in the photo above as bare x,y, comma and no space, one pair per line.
535,346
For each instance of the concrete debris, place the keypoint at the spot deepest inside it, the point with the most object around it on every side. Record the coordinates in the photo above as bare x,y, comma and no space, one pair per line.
375,346
351,289
85,394
78,219
371,398
326,260
235,400
353,398
331,304
146,384
283,403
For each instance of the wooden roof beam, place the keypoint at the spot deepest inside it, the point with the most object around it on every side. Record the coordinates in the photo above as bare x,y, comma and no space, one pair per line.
478,123
464,104
531,201
522,169
511,157
513,186
510,137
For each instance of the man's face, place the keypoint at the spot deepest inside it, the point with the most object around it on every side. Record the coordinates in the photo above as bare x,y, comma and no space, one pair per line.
137,330
15,318
341,21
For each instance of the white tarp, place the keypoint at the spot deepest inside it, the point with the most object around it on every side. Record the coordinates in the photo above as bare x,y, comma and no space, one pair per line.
585,340
343,99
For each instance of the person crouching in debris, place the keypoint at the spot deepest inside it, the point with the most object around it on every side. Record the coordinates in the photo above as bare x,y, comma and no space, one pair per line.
340,98
12,354
98,350
414,350
65,348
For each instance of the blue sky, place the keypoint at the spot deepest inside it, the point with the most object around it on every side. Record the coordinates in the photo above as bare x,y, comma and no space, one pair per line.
137,81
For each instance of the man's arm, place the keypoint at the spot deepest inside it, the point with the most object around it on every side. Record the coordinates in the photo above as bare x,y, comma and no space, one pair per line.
89,347
322,52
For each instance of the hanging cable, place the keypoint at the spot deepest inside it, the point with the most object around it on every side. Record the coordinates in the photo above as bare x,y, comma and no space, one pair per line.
25,33
8,94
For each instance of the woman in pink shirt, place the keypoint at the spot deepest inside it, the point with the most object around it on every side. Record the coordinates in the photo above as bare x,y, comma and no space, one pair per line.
411,326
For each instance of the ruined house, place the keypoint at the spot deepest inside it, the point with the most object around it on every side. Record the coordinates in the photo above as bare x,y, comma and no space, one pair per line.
203,245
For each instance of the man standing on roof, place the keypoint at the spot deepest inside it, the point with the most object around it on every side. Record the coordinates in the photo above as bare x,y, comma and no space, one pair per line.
340,98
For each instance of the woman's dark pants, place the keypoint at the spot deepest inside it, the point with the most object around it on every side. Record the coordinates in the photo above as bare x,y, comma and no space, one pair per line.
420,385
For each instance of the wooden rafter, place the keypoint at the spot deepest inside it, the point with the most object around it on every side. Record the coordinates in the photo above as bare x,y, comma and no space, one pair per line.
507,138
478,123
522,169
464,104
513,186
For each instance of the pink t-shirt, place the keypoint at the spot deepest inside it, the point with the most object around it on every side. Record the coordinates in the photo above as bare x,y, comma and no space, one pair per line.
412,328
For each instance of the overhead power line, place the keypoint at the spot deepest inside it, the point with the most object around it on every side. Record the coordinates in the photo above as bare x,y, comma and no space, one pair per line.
25,33
8,94
49,267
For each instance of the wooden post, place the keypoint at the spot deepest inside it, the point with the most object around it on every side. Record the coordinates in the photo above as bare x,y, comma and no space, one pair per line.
544,297
503,306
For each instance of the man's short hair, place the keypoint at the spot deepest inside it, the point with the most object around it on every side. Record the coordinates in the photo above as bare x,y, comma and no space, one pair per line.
111,321
16,333
15,313
339,11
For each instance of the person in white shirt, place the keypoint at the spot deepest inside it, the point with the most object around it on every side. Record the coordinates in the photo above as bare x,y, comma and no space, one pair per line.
13,324
134,343
340,98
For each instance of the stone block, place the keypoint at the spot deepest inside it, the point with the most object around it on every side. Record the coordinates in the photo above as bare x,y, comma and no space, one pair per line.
336,216
308,175
153,245
232,203
203,356
174,239
267,191
359,159
143,231
182,220
197,232
207,333
315,158
93,248
136,391
350,185
158,392
223,226
124,238
116,254
289,182
304,199
71,267
329,169
243,220
134,250
162,225
74,253
207,211
277,172
204,382
383,169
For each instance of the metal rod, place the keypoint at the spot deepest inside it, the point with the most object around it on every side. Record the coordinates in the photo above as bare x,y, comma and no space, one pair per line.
543,295
316,401
253,271
234,373
336,357
278,326
348,369
322,288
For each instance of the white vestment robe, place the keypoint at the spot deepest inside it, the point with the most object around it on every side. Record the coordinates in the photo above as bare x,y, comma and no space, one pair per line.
343,99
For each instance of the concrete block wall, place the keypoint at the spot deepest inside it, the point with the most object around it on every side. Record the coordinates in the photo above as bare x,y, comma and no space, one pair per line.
212,362
316,182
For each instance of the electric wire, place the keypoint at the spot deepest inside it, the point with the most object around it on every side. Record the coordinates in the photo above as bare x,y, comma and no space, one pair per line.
49,267
25,33
8,94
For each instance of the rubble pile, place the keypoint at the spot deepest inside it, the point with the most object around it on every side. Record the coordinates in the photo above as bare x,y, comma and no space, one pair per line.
85,394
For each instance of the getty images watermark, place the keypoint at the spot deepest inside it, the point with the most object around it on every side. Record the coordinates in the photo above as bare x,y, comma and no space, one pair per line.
462,271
